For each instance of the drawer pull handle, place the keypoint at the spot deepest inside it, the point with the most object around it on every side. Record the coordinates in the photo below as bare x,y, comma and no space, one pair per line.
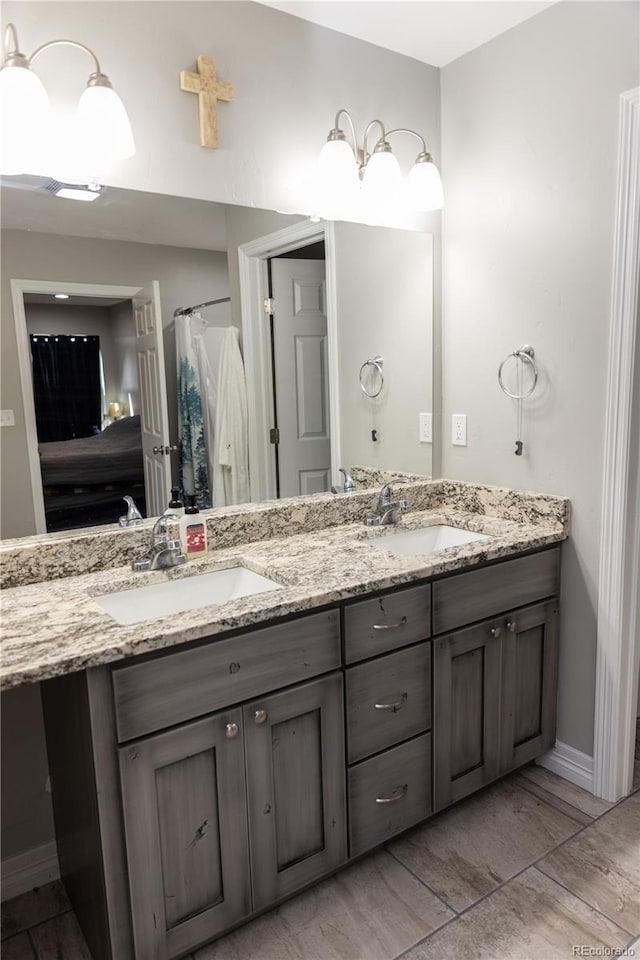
496,631
393,797
260,716
512,626
390,626
395,705
232,731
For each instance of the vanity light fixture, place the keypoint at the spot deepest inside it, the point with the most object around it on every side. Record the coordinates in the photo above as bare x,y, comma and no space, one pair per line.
101,132
344,167
61,296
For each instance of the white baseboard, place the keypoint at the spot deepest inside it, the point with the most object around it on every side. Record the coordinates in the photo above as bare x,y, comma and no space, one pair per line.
569,763
28,870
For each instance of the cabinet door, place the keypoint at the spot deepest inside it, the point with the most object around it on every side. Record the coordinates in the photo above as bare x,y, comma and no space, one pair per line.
529,684
186,834
466,714
295,787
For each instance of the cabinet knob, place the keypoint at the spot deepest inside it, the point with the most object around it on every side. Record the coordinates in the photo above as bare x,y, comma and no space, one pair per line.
260,716
232,730
512,626
496,631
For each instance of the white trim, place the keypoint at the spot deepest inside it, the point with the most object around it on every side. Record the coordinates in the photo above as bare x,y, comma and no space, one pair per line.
618,654
252,264
569,763
18,289
29,869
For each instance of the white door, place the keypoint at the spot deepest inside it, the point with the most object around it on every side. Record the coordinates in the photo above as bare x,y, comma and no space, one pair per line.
300,372
154,417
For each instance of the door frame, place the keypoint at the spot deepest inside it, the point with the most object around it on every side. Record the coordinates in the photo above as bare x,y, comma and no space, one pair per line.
254,290
18,289
618,645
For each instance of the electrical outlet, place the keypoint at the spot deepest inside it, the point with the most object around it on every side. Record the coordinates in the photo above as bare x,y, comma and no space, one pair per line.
426,428
459,429
7,418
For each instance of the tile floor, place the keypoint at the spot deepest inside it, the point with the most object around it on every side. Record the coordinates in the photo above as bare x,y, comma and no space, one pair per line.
531,868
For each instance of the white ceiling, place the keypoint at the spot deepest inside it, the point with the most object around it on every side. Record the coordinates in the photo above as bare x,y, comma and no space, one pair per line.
434,31
117,215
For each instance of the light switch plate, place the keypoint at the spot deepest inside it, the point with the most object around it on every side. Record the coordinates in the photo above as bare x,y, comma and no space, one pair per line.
459,429
7,418
426,428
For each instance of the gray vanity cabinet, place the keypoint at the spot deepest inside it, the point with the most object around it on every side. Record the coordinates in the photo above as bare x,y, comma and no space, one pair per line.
529,684
494,681
183,794
294,742
466,711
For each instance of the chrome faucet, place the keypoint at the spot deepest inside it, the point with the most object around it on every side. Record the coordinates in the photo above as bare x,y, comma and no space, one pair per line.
388,510
348,485
163,552
133,517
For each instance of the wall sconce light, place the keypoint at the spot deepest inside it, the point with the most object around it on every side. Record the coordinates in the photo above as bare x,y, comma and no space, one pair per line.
344,168
114,410
102,133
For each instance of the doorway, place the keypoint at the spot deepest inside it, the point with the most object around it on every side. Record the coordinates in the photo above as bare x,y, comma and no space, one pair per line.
114,459
254,259
297,317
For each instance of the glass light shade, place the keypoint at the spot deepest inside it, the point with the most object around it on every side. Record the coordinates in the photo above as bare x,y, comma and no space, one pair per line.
104,124
424,187
26,117
382,177
337,167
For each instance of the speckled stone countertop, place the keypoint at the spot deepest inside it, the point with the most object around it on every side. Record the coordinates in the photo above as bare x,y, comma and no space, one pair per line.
317,548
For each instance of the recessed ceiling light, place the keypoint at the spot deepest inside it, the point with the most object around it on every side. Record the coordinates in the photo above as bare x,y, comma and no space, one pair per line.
61,296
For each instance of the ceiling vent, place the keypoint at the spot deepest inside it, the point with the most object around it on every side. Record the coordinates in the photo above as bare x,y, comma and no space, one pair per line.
74,191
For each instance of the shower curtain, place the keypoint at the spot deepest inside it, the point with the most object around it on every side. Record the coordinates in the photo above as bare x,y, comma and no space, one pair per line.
212,413
194,423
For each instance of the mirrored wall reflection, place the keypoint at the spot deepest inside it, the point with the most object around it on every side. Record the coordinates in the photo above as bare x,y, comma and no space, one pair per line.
127,240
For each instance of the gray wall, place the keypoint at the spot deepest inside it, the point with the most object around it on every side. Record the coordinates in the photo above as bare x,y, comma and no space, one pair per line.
384,302
529,140
185,276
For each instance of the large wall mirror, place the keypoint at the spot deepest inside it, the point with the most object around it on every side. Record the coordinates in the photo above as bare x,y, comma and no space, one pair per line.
337,368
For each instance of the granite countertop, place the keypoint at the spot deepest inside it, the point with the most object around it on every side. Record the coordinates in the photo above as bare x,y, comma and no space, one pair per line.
54,627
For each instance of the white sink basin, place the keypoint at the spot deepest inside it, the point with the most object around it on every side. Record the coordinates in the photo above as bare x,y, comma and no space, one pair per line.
416,542
187,593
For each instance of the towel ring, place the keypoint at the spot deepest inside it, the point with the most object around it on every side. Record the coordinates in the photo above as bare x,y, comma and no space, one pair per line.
376,363
526,354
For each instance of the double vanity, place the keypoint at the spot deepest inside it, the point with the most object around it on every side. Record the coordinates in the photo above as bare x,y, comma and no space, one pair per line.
226,733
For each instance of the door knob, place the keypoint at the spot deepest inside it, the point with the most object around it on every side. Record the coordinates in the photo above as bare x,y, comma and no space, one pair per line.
232,730
512,626
496,631
260,716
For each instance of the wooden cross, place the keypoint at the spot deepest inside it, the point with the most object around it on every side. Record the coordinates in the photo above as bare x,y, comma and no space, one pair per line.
209,90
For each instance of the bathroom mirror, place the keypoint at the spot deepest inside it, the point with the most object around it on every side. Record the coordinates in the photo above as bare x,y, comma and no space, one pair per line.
380,305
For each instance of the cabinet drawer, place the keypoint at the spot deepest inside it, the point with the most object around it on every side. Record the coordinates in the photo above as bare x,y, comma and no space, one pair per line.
386,622
467,597
389,793
388,700
178,686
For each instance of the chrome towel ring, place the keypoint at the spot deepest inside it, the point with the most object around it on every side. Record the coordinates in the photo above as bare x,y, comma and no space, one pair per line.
376,363
526,355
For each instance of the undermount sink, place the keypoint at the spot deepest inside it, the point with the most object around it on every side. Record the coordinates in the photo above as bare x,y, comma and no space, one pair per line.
187,593
425,540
